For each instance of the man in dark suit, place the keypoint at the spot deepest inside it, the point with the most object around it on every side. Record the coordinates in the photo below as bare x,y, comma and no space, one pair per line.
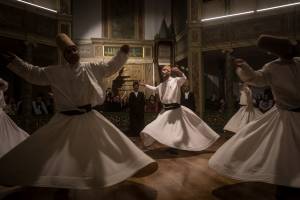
187,98
136,104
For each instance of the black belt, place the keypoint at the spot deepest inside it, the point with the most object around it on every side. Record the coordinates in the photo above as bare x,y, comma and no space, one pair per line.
83,109
171,106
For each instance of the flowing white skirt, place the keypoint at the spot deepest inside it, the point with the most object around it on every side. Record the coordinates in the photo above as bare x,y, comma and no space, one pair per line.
242,117
80,152
266,150
180,128
10,134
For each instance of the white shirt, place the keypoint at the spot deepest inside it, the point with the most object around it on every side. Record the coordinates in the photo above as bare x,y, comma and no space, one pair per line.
72,86
169,90
38,110
186,95
246,96
282,76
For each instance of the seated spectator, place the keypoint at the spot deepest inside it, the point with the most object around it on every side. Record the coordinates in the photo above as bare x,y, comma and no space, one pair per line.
39,106
222,105
106,106
266,103
212,102
124,102
116,104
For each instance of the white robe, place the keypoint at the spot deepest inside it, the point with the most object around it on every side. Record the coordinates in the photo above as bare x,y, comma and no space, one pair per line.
179,128
245,114
268,148
82,151
10,134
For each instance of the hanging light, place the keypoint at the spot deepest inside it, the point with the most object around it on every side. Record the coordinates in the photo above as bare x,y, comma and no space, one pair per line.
35,5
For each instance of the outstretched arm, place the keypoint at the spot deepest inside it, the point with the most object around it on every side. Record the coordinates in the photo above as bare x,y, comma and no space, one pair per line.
247,74
149,87
33,74
114,65
181,78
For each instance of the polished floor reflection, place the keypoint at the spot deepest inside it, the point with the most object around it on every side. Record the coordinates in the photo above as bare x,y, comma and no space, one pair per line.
182,175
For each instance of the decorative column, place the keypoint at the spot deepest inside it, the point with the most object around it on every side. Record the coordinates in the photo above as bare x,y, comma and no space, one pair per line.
229,77
27,90
64,23
196,71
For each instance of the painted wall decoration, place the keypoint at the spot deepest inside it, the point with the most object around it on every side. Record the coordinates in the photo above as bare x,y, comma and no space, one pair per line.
122,15
134,51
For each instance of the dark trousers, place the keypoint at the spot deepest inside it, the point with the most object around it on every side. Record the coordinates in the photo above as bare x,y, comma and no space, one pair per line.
136,124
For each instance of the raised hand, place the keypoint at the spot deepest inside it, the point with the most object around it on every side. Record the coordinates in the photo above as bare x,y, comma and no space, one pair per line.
238,62
125,49
176,71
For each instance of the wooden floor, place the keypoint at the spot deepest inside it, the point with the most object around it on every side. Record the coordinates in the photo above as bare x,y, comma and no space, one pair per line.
182,176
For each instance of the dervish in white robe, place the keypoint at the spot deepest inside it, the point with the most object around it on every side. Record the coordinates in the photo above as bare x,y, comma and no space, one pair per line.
10,134
177,126
245,114
268,149
79,148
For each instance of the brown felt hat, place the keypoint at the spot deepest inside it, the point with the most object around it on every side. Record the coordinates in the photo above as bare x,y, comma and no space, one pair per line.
63,41
280,46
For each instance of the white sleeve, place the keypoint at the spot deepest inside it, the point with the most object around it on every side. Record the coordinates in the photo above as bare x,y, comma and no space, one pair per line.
33,74
102,69
258,78
181,79
152,88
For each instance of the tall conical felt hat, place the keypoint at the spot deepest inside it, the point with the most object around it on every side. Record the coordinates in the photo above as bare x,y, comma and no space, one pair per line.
63,41
281,46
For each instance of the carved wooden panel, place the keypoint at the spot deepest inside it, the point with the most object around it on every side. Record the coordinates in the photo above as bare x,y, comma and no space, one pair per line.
164,52
181,46
98,51
148,52
196,35
65,28
18,20
122,81
10,18
134,51
250,29
194,10
194,69
65,6
86,51
123,19
213,34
